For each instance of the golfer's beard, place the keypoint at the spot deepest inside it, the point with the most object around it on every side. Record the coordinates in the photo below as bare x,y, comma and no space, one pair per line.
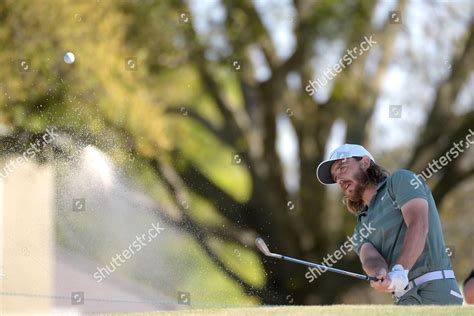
361,182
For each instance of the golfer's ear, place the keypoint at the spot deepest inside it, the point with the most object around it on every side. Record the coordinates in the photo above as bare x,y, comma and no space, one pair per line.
365,161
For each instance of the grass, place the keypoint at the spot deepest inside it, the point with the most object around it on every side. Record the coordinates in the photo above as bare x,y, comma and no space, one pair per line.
352,310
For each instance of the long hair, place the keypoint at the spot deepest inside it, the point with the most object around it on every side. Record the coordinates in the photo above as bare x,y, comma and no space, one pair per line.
374,174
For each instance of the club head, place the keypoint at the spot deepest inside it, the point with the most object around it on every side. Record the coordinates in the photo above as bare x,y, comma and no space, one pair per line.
262,246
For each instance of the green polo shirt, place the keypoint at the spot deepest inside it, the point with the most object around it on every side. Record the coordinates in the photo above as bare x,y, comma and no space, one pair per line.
383,226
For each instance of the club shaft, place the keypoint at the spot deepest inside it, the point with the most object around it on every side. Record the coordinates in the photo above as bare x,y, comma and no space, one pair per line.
324,268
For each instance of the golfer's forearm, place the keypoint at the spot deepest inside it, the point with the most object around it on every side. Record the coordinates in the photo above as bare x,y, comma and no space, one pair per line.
371,259
374,264
415,240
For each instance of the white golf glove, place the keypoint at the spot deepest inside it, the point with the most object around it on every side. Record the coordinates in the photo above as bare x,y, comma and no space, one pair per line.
399,277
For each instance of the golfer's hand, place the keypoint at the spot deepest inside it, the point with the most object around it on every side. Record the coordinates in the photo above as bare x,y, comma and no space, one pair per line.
399,277
383,283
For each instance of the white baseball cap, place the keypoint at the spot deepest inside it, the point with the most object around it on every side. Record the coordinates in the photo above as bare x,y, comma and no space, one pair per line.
344,151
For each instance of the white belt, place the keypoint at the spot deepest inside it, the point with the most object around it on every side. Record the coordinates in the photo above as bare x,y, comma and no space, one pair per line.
429,276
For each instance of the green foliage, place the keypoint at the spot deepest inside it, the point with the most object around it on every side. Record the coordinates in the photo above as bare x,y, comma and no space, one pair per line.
137,78
121,109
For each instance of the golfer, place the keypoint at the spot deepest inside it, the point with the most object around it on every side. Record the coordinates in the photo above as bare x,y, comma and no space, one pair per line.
406,250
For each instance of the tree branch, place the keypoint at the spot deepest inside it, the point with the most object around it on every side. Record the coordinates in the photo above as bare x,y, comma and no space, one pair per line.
221,133
452,175
441,113
227,205
172,182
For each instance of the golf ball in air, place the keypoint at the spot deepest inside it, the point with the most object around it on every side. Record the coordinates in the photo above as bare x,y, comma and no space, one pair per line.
69,58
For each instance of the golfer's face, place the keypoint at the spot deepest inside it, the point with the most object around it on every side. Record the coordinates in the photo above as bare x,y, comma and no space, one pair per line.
345,173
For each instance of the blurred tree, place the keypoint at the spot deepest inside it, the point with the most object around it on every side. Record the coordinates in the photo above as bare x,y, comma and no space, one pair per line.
86,100
249,127
218,142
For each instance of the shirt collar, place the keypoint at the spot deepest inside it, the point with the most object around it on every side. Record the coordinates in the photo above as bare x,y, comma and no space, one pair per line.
365,210
382,182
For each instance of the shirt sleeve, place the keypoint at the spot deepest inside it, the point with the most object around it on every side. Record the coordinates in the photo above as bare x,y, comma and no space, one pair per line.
406,186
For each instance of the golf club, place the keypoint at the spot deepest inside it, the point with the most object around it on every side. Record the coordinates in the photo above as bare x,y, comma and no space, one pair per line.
262,246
